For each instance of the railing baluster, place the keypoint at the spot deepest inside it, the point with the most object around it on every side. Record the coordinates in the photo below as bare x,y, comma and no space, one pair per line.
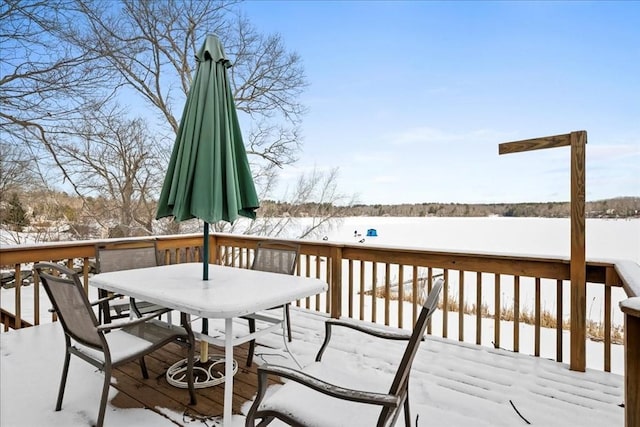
536,350
387,292
400,295
609,280
85,274
36,297
18,296
516,314
350,288
329,277
497,310
445,305
307,300
414,290
374,279
479,308
559,325
362,291
461,305
429,286
318,269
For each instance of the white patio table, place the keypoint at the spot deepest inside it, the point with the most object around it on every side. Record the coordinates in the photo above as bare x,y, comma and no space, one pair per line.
229,293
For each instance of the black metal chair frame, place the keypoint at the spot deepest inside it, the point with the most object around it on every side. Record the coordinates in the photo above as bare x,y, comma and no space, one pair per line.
390,403
275,257
87,339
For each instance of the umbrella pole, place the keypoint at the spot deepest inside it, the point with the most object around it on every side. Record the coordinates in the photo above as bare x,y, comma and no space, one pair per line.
204,346
205,253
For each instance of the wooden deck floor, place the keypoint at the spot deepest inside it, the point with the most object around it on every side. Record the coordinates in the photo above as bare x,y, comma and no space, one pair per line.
155,392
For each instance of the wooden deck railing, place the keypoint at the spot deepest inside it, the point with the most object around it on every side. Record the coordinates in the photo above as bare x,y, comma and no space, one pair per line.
381,284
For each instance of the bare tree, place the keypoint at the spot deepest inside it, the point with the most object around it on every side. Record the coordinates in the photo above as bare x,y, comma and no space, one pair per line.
315,197
16,171
45,82
117,159
65,58
152,46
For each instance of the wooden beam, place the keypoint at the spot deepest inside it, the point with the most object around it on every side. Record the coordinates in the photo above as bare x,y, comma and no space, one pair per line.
535,144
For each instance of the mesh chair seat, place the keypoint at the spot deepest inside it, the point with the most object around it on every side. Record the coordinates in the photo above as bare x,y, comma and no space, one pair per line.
127,343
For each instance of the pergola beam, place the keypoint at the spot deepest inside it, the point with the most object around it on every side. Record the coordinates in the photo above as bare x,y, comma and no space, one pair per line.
535,144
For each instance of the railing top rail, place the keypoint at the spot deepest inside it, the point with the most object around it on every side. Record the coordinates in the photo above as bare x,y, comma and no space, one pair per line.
627,271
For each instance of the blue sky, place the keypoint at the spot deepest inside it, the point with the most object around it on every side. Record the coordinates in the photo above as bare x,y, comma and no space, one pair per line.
411,99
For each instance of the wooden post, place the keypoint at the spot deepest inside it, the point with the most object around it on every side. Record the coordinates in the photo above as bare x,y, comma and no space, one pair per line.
631,310
577,141
578,258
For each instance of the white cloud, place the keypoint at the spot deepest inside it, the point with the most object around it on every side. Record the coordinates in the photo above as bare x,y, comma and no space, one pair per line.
385,179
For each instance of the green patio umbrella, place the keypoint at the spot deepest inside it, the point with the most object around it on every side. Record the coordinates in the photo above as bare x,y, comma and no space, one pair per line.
208,175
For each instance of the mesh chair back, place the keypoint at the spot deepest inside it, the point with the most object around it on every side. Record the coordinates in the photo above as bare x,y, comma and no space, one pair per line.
70,303
276,257
428,308
125,255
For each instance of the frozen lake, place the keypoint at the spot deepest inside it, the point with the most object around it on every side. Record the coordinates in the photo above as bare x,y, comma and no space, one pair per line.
605,238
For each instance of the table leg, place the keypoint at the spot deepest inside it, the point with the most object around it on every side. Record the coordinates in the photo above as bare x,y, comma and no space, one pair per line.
228,371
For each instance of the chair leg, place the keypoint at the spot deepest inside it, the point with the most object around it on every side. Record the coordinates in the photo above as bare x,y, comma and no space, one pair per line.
288,319
104,312
105,395
191,343
407,412
190,358
265,421
252,343
143,368
63,380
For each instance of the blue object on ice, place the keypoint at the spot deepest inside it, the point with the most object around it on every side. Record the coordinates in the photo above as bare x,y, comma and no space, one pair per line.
372,232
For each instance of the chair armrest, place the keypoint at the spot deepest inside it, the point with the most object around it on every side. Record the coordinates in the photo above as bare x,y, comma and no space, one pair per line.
328,388
389,335
101,300
145,318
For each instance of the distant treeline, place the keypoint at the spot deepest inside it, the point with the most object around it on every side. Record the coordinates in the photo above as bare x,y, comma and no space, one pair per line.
621,207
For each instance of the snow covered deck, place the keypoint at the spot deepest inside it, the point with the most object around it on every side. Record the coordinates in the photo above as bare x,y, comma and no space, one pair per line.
452,383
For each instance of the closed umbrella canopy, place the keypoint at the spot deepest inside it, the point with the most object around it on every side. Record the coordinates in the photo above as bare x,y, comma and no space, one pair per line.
208,175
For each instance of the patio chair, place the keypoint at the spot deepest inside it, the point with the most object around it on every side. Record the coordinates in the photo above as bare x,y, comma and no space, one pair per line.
274,257
87,339
125,255
311,384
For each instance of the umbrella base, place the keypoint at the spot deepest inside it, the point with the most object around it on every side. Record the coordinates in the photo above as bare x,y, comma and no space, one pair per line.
205,374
